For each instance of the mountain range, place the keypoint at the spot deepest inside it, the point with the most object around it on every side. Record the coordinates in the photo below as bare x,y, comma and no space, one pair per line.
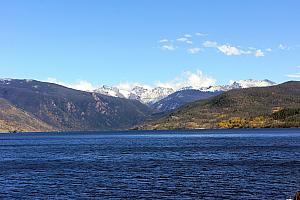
30,105
260,107
151,95
144,95
180,98
49,106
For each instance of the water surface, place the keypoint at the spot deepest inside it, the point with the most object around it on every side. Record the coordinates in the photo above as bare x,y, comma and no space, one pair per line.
204,164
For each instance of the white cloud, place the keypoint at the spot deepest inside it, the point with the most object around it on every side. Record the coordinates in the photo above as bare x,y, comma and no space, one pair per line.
83,85
79,85
298,66
163,40
129,86
296,75
194,50
186,40
227,49
230,50
168,47
259,53
187,79
183,39
200,34
210,44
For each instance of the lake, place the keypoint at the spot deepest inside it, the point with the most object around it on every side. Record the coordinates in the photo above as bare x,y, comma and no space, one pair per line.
203,164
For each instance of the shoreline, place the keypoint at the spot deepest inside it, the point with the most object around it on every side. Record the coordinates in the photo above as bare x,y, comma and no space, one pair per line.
163,130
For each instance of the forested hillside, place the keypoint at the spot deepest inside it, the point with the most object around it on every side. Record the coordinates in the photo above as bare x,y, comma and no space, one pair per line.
275,106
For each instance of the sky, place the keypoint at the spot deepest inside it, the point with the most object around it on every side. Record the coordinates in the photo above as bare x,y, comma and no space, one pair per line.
170,42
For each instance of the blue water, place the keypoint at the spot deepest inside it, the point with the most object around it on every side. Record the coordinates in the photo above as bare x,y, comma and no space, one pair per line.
204,164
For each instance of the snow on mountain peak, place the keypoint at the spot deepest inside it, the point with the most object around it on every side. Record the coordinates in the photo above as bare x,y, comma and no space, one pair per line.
110,91
140,93
253,83
148,95
240,84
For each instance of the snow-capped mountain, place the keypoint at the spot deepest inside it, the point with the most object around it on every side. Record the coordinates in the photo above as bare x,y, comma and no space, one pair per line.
142,94
152,95
188,94
253,83
156,94
240,84
110,91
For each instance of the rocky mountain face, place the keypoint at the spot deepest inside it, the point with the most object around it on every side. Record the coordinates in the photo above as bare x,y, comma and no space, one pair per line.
29,105
144,95
240,84
14,119
62,108
274,106
150,96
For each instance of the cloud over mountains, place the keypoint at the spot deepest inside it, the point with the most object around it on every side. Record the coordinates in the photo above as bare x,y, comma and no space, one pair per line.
185,79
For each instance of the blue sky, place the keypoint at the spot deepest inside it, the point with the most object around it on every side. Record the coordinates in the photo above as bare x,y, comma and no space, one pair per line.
113,41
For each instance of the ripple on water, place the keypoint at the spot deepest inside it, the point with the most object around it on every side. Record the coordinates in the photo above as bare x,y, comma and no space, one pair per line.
204,165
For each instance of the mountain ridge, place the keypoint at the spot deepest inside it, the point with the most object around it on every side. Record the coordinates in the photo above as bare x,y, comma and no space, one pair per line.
180,98
149,96
65,109
238,108
13,119
42,106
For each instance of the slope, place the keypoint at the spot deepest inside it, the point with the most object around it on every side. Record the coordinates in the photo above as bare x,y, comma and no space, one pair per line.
275,106
180,98
68,109
13,119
